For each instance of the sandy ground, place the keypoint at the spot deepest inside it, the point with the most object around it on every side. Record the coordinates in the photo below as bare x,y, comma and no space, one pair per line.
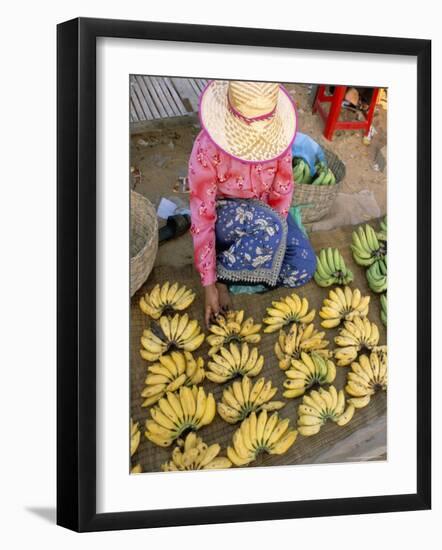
162,155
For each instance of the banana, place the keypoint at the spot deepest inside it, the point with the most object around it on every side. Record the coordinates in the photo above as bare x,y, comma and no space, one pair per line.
177,333
231,362
290,309
298,339
320,406
230,328
166,299
384,308
189,408
193,454
135,436
377,275
366,247
367,377
310,370
358,334
331,268
343,305
180,368
260,434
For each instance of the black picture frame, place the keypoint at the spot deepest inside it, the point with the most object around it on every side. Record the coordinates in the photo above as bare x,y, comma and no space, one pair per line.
76,273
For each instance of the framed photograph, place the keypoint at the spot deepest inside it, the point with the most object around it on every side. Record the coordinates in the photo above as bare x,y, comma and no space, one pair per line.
228,199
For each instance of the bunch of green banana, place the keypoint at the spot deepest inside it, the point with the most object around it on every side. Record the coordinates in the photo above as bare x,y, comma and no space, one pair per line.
377,275
134,437
231,327
357,335
177,412
382,233
177,332
165,299
366,246
324,176
288,310
331,268
384,308
309,371
172,371
194,454
343,305
301,171
241,398
260,434
319,406
232,362
298,339
367,376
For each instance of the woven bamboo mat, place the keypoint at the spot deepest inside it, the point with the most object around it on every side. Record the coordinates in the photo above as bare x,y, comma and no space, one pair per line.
306,449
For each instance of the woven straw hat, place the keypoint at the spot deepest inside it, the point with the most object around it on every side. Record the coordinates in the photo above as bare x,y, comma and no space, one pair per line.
252,121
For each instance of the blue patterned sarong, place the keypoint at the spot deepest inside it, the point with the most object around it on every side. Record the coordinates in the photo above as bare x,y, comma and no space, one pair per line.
255,244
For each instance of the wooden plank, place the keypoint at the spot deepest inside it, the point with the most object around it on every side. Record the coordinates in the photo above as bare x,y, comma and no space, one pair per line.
168,96
194,86
138,94
147,96
162,113
174,94
201,84
133,113
138,108
186,92
155,82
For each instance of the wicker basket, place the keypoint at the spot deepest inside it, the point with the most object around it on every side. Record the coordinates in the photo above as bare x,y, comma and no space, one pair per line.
316,200
143,239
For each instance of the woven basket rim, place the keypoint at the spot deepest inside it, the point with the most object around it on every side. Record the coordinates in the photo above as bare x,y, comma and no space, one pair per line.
151,212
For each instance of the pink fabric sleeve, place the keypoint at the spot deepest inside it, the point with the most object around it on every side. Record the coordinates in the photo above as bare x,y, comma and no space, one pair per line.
203,188
281,193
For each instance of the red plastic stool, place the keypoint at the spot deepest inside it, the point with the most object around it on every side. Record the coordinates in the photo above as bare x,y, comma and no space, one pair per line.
330,119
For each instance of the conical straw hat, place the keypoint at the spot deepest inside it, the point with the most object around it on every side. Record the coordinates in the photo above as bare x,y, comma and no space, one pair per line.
252,121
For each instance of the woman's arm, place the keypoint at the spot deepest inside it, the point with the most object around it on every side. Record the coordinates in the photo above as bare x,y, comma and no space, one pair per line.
202,183
281,193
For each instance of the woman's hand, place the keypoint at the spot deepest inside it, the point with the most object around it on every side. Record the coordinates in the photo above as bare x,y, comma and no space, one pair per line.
212,307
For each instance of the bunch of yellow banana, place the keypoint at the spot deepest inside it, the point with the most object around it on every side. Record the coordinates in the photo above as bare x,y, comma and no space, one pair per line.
241,398
234,361
319,406
366,246
359,334
231,327
172,333
343,305
134,437
260,433
165,299
299,338
172,371
187,409
310,370
290,309
194,454
367,376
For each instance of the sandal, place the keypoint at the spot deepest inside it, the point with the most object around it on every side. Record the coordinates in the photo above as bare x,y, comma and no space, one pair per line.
175,226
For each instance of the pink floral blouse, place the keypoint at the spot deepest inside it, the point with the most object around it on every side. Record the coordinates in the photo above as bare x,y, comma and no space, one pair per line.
215,174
